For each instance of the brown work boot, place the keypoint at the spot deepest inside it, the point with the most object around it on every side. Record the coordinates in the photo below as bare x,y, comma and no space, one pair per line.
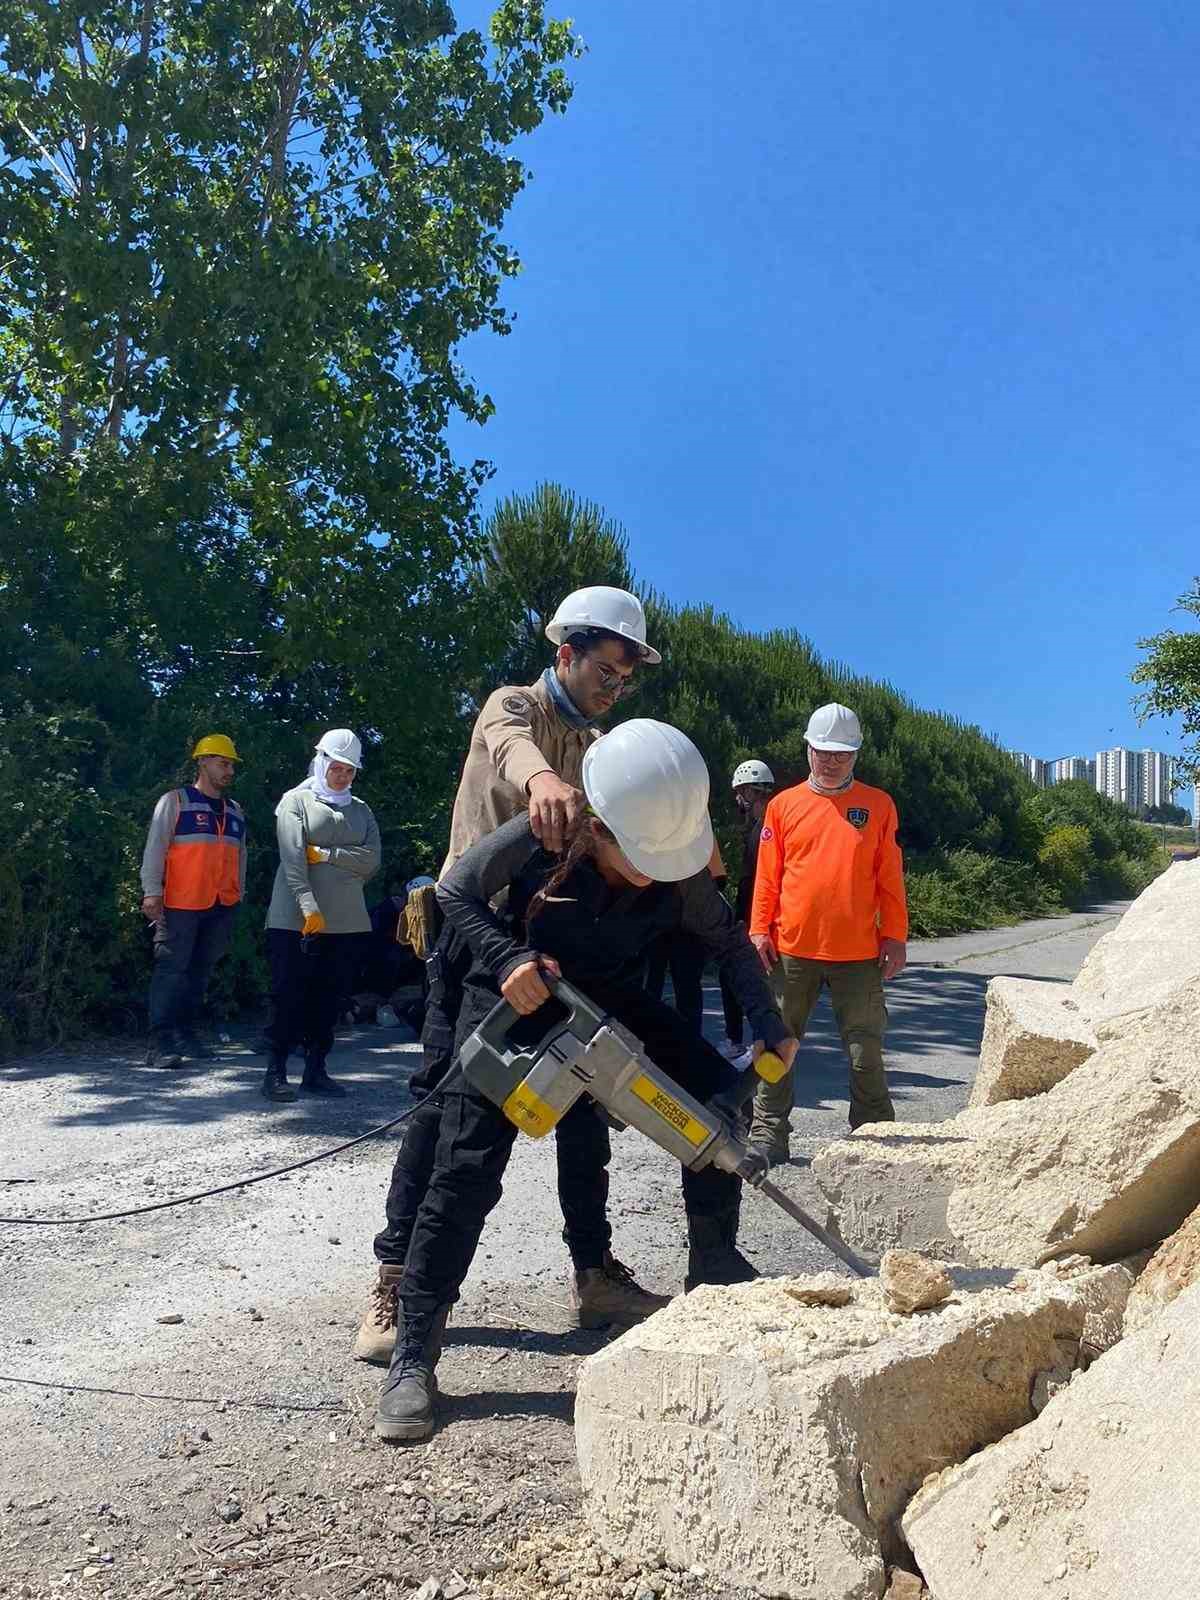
376,1339
610,1296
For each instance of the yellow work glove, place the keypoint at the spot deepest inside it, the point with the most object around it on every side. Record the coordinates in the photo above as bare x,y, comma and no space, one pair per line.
316,854
313,923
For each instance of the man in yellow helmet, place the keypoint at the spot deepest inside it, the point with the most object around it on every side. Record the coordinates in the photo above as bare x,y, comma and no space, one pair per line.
193,880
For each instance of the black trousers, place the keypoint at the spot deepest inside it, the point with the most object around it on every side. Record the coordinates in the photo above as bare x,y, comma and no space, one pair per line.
582,1141
310,979
474,1140
686,957
187,946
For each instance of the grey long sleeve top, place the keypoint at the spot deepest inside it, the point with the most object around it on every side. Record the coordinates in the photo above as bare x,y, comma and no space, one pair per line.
334,888
592,931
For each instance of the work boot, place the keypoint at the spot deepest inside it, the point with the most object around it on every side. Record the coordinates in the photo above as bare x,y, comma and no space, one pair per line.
376,1339
164,1050
316,1080
774,1154
404,1410
610,1295
713,1255
195,1048
275,1080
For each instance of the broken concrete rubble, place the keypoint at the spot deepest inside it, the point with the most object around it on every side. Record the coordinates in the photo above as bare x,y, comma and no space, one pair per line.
777,1442
1174,1267
912,1283
1152,953
1105,1163
1093,1501
1034,1034
821,1289
905,1586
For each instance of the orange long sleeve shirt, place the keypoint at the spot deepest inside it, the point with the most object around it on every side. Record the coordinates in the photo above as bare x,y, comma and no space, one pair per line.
830,877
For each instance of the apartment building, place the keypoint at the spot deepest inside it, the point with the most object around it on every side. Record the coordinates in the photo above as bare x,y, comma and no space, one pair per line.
1136,778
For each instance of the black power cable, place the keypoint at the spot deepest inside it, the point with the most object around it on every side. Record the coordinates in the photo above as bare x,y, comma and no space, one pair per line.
226,1188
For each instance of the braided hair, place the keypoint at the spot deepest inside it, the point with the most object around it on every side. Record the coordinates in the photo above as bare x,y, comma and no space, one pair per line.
581,848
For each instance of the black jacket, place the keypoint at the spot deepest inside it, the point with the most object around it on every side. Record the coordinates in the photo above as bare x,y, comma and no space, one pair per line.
594,933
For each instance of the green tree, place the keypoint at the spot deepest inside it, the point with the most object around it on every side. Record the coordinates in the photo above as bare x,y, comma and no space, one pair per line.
1171,675
242,244
538,548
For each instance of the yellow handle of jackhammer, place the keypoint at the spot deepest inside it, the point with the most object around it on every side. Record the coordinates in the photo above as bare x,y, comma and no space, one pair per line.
769,1067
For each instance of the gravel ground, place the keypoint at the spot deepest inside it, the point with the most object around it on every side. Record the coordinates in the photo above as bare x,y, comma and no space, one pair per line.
179,1412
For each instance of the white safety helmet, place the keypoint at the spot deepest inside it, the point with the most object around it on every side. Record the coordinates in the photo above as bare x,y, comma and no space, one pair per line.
339,744
756,772
648,784
615,610
833,727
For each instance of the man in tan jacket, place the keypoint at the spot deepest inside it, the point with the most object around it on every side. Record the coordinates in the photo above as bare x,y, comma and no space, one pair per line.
526,753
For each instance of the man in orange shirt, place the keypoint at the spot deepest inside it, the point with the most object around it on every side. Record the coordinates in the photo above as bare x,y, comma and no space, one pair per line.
829,908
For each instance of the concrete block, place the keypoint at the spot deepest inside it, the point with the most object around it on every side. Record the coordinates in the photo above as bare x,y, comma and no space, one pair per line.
1174,1267
1034,1034
1104,1164
1152,953
775,1443
1093,1501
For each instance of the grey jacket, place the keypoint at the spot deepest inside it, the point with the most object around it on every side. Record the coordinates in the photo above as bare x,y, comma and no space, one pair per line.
334,888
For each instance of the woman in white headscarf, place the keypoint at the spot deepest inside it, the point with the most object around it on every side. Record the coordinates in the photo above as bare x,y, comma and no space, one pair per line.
328,849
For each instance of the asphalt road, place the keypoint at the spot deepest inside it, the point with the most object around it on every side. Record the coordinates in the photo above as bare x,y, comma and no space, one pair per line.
268,1283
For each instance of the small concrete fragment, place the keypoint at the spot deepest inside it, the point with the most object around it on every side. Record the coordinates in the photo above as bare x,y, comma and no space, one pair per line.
904,1586
1096,1498
1047,1384
1174,1267
911,1283
1105,1294
1034,1034
1105,1163
777,1443
821,1289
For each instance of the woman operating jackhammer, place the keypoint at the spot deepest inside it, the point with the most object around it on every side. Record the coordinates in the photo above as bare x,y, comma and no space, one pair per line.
636,869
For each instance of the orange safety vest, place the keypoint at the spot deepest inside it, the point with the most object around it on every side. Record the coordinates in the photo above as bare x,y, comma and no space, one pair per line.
204,858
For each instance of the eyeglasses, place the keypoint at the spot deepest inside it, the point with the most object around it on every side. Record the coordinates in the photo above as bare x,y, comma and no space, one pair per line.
613,682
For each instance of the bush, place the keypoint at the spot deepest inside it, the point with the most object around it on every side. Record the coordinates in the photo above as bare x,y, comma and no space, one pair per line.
1124,877
953,891
1067,860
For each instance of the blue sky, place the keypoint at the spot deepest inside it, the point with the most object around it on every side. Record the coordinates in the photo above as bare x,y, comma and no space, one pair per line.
878,320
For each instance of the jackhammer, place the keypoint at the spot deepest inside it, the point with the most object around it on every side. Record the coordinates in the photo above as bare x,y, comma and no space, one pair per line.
535,1082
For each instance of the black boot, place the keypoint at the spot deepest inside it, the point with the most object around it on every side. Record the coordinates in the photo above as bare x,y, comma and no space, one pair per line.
713,1255
164,1049
316,1080
404,1410
275,1085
